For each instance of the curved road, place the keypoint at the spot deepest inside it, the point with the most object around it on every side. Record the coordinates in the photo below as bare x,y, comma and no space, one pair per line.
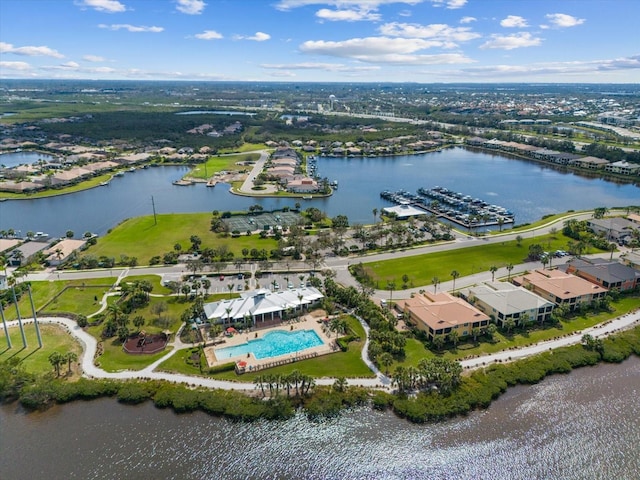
90,344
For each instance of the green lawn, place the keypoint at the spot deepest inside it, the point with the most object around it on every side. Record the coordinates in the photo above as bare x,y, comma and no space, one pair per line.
467,261
115,359
75,300
140,237
154,280
217,164
35,359
340,364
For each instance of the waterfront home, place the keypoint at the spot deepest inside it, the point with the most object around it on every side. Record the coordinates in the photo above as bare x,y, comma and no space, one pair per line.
439,314
616,229
302,185
592,163
19,187
502,300
62,251
609,274
26,252
623,168
261,306
560,287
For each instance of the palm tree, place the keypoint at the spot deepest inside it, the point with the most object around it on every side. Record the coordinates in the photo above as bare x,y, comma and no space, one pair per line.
230,287
509,268
391,285
454,274
436,282
70,357
438,342
375,214
56,359
385,359
340,385
206,284
453,337
493,269
228,310
475,332
509,323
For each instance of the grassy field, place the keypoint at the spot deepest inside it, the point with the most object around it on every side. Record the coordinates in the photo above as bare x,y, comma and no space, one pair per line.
115,359
140,237
79,300
35,359
217,164
154,280
467,261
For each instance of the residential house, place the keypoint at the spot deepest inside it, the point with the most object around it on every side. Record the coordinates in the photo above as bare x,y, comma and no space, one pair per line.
616,229
560,287
623,167
62,251
25,253
609,274
440,314
502,300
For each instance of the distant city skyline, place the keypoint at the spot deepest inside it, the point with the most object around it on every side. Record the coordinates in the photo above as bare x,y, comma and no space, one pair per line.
423,41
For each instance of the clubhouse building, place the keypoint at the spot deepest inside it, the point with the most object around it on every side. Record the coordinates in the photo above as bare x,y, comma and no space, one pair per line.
262,307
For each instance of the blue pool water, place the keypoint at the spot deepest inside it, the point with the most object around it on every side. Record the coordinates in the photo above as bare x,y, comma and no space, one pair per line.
273,344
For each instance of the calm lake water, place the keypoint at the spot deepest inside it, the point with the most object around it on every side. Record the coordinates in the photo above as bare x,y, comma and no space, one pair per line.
19,158
585,425
528,189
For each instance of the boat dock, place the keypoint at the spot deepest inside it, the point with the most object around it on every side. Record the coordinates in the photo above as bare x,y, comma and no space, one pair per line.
455,207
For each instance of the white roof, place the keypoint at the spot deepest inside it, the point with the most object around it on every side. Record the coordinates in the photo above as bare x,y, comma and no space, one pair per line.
260,302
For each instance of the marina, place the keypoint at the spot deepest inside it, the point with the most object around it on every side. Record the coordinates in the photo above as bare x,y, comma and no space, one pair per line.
453,206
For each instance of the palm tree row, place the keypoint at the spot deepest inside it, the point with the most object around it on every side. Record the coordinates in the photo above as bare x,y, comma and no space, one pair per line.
439,373
56,359
301,383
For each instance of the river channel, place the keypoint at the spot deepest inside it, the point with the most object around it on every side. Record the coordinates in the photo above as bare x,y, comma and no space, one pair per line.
585,425
528,189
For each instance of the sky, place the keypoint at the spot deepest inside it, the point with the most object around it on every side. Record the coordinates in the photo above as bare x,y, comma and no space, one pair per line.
422,41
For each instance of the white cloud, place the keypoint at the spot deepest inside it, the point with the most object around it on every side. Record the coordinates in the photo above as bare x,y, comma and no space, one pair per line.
93,58
347,15
359,4
382,50
190,7
109,6
70,65
370,5
509,42
437,31
131,28
464,20
209,35
260,37
328,67
30,51
514,21
18,66
593,67
562,20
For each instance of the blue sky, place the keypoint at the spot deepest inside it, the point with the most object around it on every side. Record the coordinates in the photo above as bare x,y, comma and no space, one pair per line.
323,40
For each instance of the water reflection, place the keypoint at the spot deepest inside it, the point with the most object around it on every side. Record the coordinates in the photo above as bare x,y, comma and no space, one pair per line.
582,425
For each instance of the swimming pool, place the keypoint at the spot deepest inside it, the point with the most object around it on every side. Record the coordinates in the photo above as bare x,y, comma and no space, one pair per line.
273,344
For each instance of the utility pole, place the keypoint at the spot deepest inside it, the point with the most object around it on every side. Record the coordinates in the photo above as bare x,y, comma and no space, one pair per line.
155,220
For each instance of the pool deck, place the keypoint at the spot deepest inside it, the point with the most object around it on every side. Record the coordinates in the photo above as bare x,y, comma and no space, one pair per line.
307,322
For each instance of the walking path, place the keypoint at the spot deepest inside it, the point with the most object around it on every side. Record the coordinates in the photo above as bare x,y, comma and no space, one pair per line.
90,344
